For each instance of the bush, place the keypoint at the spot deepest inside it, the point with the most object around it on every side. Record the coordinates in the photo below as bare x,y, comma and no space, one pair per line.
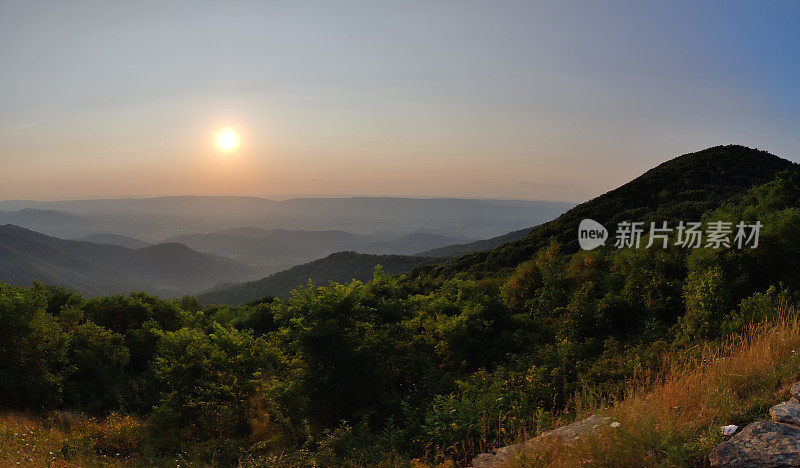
206,382
756,308
706,305
32,350
95,369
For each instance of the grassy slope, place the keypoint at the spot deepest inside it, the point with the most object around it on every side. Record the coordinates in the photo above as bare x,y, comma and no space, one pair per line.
61,439
675,419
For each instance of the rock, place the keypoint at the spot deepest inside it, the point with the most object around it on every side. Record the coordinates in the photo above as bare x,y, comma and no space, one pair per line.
760,444
565,434
570,432
787,412
483,460
795,390
507,453
503,456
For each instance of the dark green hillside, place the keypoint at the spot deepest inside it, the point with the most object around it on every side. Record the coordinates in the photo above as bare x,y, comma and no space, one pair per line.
339,267
458,250
680,189
93,269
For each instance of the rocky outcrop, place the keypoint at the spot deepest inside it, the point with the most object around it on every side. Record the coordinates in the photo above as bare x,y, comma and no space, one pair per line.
795,390
761,444
787,412
774,443
502,456
765,443
565,435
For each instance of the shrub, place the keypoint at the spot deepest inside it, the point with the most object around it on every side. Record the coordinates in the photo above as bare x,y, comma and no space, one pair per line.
207,382
96,368
32,350
706,305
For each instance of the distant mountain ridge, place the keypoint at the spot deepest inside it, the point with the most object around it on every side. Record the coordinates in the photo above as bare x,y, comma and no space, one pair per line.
338,267
114,239
155,219
228,205
169,270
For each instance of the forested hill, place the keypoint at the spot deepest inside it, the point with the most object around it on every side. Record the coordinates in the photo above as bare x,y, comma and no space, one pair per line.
340,267
170,270
457,250
680,189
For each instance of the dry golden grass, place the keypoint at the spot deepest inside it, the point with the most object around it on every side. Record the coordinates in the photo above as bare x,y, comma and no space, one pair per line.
675,419
65,439
28,440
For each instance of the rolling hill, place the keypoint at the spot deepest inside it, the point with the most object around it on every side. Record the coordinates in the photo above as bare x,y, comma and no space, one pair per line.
275,250
337,267
272,250
93,269
114,239
406,245
680,189
457,250
52,222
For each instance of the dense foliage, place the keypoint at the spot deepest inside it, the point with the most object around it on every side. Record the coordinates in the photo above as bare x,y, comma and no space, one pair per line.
389,370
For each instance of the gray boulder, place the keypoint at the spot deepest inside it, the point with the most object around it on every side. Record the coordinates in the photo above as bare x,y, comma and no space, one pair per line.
565,434
483,460
795,390
502,456
570,432
787,412
760,444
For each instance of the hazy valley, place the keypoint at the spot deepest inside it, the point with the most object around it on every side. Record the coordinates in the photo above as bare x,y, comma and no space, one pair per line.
116,246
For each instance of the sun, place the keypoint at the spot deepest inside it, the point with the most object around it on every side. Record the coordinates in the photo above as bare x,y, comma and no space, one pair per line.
227,140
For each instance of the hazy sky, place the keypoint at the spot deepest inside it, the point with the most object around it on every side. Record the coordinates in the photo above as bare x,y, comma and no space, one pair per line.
538,100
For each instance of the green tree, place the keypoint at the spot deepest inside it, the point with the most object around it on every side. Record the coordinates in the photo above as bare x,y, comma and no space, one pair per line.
32,350
96,363
207,381
707,303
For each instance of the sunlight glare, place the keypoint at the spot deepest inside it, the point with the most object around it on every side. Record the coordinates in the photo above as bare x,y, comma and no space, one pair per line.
227,140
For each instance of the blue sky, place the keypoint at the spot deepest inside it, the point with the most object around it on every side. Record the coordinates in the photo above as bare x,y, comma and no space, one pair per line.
536,100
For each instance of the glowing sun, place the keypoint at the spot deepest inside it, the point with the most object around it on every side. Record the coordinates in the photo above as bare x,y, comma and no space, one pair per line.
227,140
